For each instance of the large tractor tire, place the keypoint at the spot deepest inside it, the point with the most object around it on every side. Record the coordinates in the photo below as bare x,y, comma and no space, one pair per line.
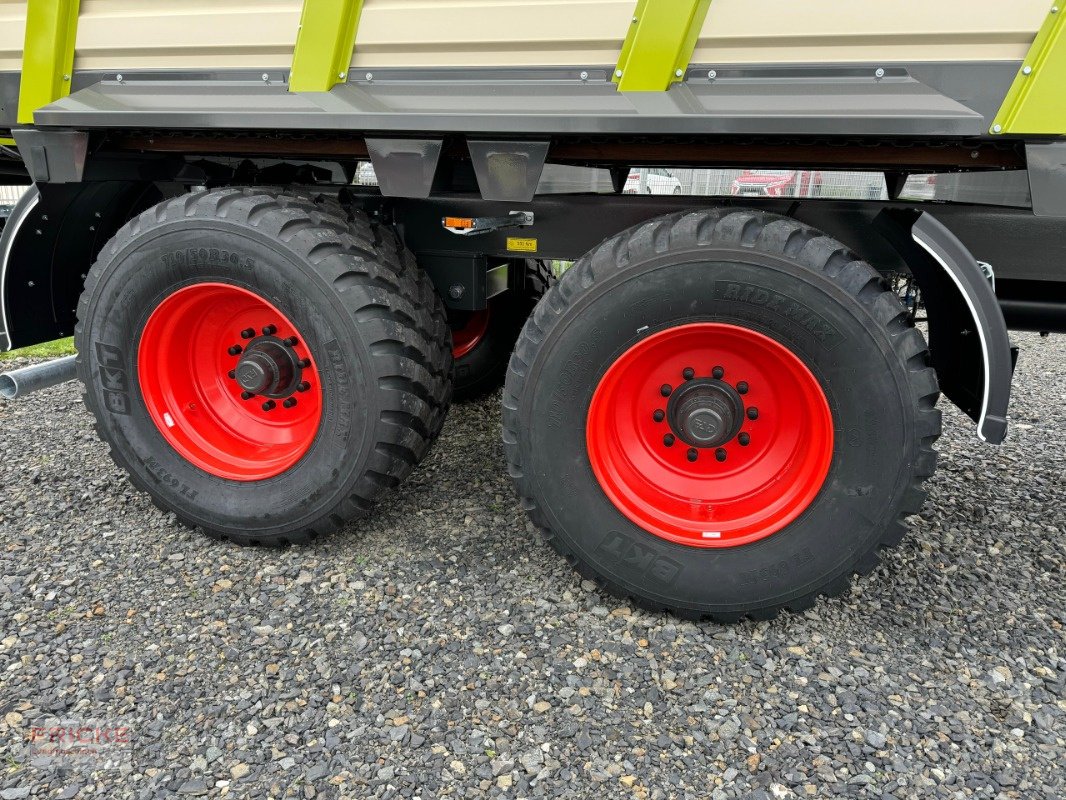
483,340
721,414
261,366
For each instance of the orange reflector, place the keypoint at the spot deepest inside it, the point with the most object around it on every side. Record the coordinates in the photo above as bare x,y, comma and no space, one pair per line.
458,222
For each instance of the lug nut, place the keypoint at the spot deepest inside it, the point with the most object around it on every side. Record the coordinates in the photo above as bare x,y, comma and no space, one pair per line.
717,373
248,333
688,373
235,350
303,386
289,402
292,341
668,440
753,413
247,395
720,454
744,439
693,454
659,415
303,363
665,390
742,387
269,405
232,374
270,330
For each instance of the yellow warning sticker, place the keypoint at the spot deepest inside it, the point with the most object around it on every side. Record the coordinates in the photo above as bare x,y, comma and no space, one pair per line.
516,245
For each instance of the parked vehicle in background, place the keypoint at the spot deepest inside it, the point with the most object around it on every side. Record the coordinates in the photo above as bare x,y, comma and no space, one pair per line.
651,181
777,183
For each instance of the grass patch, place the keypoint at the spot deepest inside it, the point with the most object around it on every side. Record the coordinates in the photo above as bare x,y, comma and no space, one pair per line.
60,347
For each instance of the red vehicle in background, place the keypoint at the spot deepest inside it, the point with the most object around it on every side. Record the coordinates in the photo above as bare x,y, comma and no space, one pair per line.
777,183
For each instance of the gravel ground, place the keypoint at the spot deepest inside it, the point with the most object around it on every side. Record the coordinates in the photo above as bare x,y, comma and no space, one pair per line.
438,649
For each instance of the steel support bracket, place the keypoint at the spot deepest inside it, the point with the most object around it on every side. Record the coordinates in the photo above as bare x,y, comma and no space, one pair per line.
324,44
659,44
1034,105
48,54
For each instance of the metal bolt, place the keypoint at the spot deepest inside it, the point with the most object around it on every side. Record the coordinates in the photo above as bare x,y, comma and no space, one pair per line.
303,386
248,333
665,390
66,77
679,73
974,154
634,20
692,454
720,454
292,341
342,75
717,373
269,405
289,402
232,374
265,77
688,373
618,73
456,291
742,387
247,395
303,363
744,439
235,350
584,75
370,76
1054,9
668,440
712,74
1027,70
753,413
879,73
269,330
997,129
659,415
119,77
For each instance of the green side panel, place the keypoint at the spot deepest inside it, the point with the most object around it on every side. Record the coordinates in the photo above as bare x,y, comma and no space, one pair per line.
324,44
48,54
659,44
1036,102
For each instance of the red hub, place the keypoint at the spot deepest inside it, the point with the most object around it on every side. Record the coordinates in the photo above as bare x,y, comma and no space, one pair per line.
710,435
229,382
467,337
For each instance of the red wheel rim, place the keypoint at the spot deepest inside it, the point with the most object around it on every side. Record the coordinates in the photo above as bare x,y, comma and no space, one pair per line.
186,366
669,385
467,337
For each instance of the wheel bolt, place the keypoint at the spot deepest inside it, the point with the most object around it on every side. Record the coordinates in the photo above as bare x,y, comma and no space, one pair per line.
742,387
720,454
717,373
753,413
235,350
665,390
303,386
659,415
744,439
304,363
693,454
270,330
269,405
232,374
248,333
247,395
289,402
292,341
688,373
668,440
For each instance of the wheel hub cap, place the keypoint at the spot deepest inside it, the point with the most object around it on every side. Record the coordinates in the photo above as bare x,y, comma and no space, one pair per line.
268,368
705,413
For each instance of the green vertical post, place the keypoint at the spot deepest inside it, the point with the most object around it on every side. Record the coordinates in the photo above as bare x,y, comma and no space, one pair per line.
1036,102
48,54
324,44
659,45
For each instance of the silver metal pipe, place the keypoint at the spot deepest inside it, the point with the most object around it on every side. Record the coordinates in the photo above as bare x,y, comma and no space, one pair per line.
20,382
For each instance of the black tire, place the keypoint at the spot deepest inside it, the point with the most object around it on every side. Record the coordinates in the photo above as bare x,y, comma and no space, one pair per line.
880,390
482,369
378,336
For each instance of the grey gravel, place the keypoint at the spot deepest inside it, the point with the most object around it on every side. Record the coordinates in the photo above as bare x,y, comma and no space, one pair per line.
439,649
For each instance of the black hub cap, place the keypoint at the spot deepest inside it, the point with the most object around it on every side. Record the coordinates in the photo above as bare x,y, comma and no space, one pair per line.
268,368
705,412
